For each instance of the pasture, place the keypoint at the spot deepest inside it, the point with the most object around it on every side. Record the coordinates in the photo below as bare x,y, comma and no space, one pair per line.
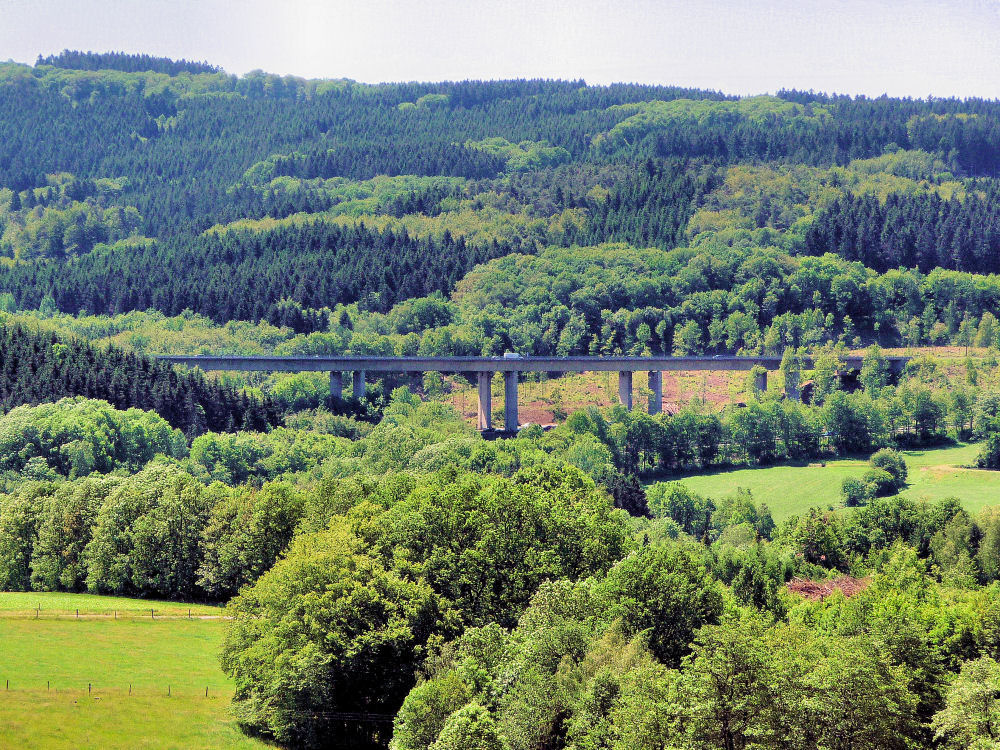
130,665
56,604
789,489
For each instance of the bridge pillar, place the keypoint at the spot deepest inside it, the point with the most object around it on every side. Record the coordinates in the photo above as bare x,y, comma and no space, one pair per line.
485,382
358,382
656,397
625,389
792,390
510,420
336,384
760,381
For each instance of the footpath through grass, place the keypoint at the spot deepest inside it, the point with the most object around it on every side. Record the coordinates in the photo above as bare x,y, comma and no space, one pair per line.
48,664
790,489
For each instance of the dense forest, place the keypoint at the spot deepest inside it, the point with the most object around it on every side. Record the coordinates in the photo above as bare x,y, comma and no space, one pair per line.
391,577
125,62
39,367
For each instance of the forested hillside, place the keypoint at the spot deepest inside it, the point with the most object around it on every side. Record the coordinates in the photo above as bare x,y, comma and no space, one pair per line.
343,194
393,578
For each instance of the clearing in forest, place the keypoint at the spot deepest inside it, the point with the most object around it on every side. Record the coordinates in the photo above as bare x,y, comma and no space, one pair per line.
790,489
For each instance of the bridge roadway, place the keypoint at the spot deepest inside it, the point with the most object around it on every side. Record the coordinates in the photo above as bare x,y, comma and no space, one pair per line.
510,366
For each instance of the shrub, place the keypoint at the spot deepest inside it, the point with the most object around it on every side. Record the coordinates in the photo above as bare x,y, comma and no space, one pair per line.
892,462
989,456
854,492
879,482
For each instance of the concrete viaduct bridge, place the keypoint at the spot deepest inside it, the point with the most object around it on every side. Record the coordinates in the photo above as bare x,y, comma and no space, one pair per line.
511,365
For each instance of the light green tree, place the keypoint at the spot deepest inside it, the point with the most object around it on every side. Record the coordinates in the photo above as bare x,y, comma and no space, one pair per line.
988,331
688,339
467,728
874,371
970,719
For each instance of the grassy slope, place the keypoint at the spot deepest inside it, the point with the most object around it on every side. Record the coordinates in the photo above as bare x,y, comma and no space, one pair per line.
111,655
791,489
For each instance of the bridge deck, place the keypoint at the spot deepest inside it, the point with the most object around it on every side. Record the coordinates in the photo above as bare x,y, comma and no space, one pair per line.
489,364
484,367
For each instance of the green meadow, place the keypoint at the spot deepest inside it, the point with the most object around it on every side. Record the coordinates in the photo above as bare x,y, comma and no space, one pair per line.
789,489
54,604
147,678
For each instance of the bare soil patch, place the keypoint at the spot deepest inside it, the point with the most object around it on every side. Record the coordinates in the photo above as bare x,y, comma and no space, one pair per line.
819,590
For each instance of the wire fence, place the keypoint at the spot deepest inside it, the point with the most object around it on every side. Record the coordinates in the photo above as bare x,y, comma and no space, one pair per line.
97,691
126,613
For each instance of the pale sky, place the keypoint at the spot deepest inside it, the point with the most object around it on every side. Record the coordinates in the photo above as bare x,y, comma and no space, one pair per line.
899,47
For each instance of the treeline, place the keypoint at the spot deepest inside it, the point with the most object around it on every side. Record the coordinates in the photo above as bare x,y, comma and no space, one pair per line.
242,274
717,297
128,63
770,428
75,437
966,133
484,546
913,231
725,295
38,367
158,532
584,669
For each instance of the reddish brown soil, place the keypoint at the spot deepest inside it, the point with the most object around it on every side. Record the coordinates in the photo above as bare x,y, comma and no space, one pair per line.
597,389
819,590
681,387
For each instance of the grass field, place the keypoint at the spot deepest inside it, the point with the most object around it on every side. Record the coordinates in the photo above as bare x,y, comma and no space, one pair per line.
790,489
48,663
51,604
